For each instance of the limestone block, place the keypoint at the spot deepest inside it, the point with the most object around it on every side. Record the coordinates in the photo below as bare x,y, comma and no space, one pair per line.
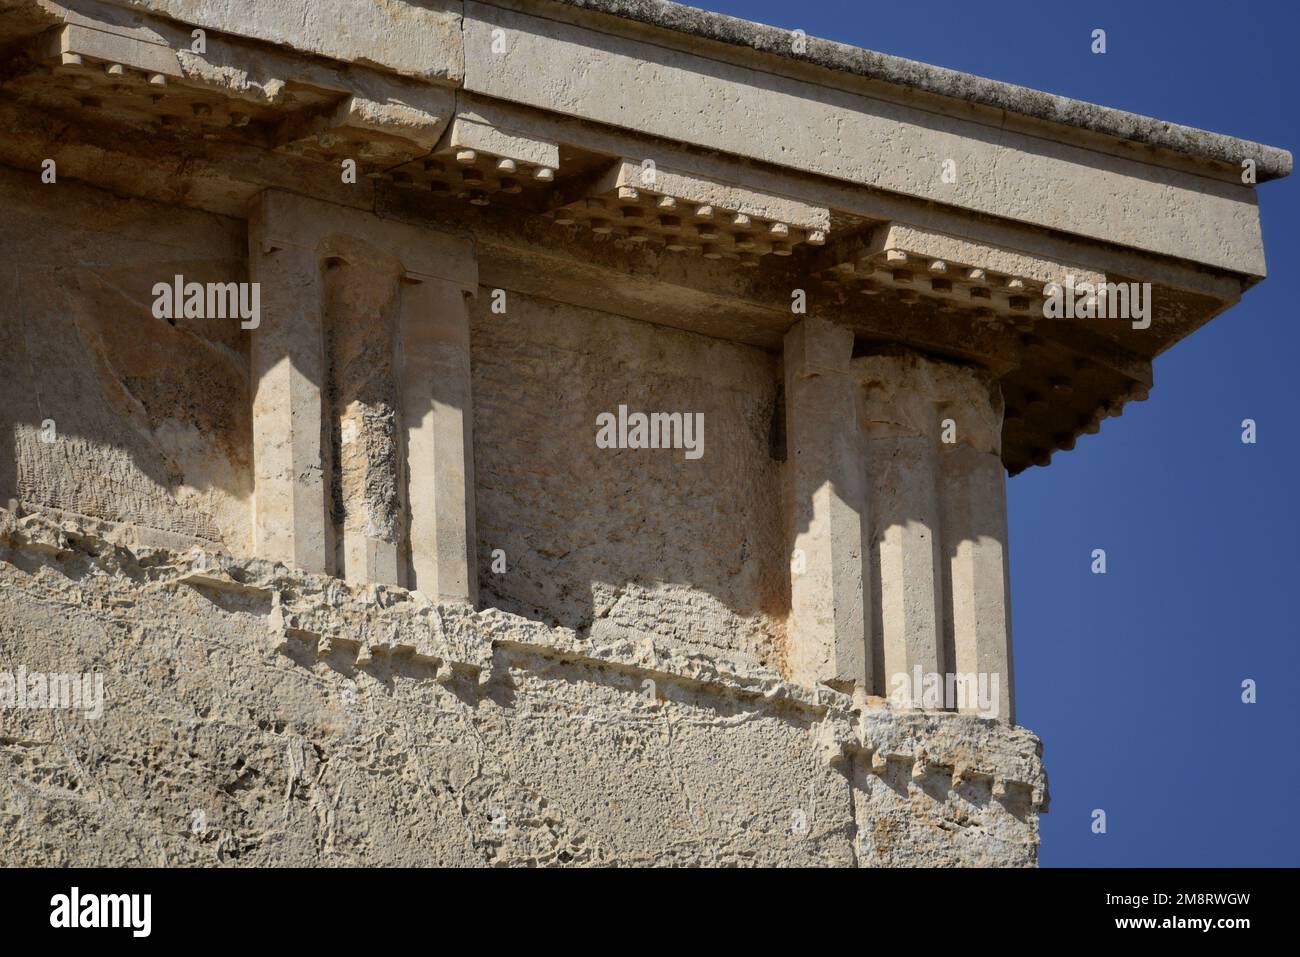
107,411
366,469
635,543
957,273
686,95
641,201
975,536
909,395
288,369
939,529
479,160
438,413
468,133
827,509
930,245
76,43
700,190
300,221
413,39
378,134
904,543
290,236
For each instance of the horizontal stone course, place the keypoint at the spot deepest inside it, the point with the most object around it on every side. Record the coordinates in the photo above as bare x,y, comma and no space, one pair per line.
274,710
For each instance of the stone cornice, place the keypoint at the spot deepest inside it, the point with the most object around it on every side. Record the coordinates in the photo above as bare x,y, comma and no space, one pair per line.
534,124
1271,161
420,41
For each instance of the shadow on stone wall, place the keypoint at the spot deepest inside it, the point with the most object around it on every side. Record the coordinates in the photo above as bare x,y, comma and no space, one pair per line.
105,410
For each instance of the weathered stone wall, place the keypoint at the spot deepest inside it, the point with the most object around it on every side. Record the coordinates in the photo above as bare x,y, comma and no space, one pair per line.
254,716
627,542
360,402
680,660
151,425
106,411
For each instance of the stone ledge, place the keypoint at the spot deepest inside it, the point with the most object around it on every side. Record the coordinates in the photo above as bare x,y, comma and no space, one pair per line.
1272,163
425,42
376,621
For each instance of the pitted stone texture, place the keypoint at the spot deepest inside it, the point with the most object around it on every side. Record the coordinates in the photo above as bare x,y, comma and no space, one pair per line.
420,39
924,77
826,509
626,541
992,283
1003,169
898,815
245,725
414,39
909,395
107,411
360,302
938,530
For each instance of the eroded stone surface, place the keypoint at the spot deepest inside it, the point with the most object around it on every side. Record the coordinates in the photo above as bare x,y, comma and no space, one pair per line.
255,716
477,228
626,541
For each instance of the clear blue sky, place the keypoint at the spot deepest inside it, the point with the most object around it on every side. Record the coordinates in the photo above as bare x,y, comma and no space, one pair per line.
1133,679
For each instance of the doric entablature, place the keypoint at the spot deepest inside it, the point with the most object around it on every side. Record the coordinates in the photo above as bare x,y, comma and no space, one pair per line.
647,153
